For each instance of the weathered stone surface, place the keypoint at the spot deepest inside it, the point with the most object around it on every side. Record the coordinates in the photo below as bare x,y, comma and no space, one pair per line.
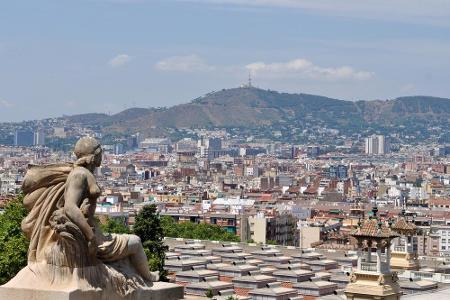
159,290
69,257
28,285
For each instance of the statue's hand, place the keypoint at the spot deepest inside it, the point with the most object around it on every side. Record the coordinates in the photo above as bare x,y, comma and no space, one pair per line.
85,206
92,247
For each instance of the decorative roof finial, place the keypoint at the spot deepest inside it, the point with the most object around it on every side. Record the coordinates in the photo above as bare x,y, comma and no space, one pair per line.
375,211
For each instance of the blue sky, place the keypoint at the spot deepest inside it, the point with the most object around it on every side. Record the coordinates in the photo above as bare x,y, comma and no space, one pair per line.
65,57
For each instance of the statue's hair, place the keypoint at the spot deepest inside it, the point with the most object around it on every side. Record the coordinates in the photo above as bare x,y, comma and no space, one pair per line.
85,150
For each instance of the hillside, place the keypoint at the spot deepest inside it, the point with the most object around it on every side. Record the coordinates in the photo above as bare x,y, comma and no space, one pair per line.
253,107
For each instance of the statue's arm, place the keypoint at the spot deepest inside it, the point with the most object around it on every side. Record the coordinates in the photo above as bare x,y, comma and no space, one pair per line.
74,194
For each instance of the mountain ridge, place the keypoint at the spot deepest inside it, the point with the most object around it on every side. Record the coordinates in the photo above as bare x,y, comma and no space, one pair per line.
253,107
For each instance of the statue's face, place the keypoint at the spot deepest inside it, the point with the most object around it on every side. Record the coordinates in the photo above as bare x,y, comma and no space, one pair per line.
98,158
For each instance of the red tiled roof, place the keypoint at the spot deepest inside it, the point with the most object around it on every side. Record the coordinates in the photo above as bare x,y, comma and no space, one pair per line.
370,228
439,201
401,226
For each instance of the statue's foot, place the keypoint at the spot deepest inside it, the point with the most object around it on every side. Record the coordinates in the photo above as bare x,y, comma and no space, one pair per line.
154,276
151,276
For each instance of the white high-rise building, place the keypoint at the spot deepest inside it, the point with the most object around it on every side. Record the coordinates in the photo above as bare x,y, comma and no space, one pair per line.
39,138
382,149
376,145
207,145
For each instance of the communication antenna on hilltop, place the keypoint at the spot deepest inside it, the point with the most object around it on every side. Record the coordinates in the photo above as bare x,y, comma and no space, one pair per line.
249,83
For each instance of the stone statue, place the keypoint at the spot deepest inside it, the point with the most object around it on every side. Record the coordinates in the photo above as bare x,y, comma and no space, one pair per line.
67,248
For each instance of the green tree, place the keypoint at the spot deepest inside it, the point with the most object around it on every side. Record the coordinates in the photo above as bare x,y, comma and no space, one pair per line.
202,231
148,228
209,294
13,243
170,228
115,225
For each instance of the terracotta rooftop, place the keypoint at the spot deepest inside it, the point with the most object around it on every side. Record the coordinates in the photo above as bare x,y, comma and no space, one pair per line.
374,228
403,226
439,201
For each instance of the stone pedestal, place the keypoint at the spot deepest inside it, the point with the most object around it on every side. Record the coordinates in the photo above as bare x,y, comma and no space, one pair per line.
404,261
367,286
159,290
27,286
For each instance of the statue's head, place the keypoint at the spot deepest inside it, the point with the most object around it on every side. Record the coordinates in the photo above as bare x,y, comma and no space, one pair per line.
88,152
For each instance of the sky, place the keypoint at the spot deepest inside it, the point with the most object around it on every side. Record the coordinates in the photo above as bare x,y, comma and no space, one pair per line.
66,57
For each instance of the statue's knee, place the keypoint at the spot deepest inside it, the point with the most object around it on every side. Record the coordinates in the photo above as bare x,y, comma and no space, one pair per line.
134,243
136,240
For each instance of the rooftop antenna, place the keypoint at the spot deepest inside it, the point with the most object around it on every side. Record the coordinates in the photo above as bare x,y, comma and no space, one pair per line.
249,79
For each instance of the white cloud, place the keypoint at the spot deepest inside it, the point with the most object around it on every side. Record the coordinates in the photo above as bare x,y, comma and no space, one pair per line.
189,63
297,68
305,69
5,104
119,60
416,11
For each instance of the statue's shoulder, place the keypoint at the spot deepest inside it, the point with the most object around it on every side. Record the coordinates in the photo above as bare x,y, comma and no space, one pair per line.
80,173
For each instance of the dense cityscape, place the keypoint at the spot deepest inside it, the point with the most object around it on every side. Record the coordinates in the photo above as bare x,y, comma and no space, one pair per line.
225,150
287,212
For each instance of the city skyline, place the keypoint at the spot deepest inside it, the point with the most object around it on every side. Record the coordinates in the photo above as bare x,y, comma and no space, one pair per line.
105,56
224,149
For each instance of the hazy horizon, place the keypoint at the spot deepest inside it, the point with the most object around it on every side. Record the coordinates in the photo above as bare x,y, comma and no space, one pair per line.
190,100
103,56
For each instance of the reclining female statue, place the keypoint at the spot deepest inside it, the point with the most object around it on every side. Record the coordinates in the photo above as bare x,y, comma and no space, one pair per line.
66,244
